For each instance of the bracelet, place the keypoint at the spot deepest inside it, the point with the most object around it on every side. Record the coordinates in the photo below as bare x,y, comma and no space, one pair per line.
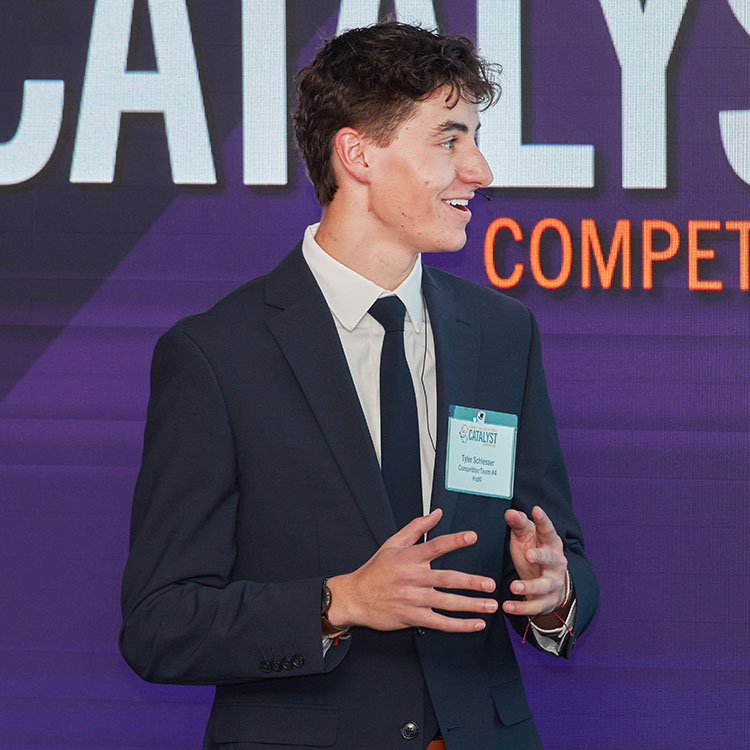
565,601
568,589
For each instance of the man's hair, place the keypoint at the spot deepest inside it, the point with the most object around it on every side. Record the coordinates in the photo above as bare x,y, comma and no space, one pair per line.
371,79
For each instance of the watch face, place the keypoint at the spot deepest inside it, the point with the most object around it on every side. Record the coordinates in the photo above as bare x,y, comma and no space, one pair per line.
325,598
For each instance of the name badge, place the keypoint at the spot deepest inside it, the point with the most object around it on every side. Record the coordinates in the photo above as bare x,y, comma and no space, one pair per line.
481,454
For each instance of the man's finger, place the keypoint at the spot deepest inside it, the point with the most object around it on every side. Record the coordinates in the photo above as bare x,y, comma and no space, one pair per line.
544,527
544,556
537,586
415,529
531,607
458,603
445,543
453,579
452,624
518,521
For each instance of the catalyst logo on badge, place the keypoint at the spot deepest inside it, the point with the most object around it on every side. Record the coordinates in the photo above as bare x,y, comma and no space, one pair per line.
474,435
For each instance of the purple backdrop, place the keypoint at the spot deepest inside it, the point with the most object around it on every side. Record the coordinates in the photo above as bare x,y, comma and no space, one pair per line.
649,386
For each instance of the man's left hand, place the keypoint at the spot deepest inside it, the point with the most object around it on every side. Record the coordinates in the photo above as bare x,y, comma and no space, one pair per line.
537,553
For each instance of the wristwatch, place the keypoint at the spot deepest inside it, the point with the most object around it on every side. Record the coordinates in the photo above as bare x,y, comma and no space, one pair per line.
325,604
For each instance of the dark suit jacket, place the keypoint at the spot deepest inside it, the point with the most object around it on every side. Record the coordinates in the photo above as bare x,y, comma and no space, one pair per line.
259,478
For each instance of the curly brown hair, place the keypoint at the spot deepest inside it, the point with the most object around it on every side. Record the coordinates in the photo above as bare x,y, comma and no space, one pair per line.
371,79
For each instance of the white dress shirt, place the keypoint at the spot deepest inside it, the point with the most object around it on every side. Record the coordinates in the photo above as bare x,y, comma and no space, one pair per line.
349,297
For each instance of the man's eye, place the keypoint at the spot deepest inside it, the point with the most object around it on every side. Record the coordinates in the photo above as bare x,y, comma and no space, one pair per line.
449,144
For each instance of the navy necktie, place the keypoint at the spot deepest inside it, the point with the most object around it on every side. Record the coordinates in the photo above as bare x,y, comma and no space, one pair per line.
399,426
399,435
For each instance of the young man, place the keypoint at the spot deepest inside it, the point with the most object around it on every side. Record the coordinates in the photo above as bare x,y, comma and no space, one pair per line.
296,444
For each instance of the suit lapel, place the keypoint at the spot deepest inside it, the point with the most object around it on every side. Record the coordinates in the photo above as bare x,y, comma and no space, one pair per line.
456,332
306,333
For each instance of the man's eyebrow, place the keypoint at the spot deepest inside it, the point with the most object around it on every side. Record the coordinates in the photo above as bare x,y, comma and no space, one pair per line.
453,125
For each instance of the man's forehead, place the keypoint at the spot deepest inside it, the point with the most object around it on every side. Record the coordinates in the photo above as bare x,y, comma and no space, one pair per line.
447,115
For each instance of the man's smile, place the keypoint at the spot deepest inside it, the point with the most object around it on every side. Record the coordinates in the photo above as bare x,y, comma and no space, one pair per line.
459,204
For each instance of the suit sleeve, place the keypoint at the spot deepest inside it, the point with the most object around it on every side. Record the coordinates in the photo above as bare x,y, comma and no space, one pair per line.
185,619
541,479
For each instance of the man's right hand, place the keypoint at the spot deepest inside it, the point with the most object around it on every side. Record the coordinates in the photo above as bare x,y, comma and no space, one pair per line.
396,588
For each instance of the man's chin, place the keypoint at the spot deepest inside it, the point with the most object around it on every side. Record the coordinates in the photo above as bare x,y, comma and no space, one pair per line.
449,247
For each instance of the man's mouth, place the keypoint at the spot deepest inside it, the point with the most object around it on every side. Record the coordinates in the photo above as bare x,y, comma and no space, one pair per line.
460,203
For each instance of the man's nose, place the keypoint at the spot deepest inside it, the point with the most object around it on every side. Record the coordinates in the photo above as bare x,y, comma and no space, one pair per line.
476,169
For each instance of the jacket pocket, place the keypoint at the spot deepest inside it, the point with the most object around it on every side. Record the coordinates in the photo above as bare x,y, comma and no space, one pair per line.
237,721
510,702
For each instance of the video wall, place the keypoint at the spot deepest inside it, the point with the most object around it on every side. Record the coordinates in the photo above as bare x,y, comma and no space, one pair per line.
147,168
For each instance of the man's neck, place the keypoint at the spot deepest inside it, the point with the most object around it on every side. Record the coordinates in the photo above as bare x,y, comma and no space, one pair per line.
348,239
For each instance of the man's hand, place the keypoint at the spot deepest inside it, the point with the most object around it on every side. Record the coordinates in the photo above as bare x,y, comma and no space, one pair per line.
537,554
396,587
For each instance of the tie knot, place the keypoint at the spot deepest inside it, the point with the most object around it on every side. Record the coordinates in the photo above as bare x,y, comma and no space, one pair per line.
389,312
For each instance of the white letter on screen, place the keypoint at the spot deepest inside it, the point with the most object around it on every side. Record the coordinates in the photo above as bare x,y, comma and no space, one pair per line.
516,164
735,125
264,102
354,14
109,89
643,39
29,150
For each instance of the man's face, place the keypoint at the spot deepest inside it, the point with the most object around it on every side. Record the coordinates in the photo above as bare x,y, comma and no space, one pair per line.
421,182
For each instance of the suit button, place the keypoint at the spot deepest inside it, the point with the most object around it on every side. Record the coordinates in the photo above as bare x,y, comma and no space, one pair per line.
298,660
420,631
286,663
265,666
276,664
410,730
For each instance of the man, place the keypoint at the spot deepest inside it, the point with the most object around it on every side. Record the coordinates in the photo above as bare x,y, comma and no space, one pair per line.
270,555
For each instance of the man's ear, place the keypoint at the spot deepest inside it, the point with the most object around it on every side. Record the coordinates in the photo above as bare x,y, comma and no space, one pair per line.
349,147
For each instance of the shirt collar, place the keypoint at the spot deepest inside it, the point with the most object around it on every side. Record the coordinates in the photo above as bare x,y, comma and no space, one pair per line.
349,294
